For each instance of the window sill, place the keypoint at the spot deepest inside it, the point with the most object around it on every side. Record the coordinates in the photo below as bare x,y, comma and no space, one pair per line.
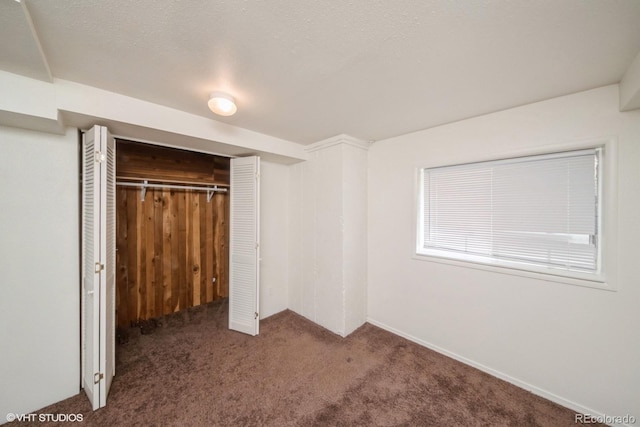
598,281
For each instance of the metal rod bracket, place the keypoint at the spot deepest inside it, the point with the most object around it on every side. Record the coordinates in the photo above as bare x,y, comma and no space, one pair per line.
144,191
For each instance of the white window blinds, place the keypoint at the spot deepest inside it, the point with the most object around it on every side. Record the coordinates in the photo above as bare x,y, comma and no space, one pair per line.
537,210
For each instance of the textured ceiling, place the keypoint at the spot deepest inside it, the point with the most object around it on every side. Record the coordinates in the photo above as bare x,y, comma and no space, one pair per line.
307,70
20,52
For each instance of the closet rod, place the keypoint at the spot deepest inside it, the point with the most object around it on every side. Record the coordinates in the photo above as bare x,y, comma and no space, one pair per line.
179,187
144,185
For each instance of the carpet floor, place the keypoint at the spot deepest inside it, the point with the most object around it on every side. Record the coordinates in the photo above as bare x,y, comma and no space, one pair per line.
188,369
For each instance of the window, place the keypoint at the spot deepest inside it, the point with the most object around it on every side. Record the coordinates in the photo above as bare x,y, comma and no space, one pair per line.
536,213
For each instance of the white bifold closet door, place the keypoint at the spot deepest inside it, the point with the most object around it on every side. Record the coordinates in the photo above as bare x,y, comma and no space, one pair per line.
98,266
244,245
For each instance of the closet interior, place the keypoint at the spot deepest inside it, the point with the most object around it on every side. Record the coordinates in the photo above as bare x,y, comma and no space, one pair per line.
172,230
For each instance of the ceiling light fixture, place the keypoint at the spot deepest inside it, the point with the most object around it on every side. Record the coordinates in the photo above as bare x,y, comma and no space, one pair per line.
222,104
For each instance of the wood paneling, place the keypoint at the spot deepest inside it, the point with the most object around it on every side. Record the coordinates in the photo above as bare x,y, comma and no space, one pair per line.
155,163
170,248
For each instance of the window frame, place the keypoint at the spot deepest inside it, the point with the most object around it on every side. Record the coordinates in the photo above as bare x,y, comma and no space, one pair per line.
602,278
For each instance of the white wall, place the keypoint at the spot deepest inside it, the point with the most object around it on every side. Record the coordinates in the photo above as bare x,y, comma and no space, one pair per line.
354,236
316,249
576,345
274,238
39,285
327,261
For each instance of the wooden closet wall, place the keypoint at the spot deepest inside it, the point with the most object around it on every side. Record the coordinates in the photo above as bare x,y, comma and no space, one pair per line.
173,247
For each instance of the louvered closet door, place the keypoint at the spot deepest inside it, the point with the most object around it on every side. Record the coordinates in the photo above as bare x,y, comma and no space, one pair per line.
98,269
109,313
90,278
244,245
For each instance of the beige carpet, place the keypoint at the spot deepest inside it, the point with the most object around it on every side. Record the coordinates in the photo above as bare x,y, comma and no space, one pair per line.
191,370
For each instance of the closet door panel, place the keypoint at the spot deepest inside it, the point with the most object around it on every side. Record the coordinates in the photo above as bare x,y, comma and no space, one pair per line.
90,277
98,269
244,245
108,241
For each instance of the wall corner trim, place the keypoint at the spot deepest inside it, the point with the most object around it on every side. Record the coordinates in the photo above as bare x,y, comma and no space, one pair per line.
630,86
338,139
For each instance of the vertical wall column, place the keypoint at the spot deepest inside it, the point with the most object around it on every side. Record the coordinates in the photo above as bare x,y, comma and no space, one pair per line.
328,241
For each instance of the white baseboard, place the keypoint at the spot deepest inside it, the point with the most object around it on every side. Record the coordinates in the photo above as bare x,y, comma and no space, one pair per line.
524,385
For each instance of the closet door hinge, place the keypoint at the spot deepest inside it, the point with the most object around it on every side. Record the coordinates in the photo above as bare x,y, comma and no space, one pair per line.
97,377
99,267
100,157
256,315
